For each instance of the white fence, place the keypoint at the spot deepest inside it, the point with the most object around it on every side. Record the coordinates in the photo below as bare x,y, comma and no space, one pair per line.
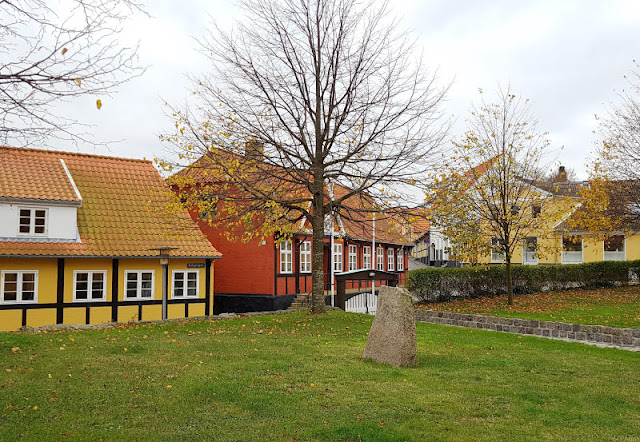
362,303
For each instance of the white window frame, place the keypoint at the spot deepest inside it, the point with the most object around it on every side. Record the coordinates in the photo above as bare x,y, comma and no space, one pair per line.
286,257
353,257
366,257
185,294
305,257
32,221
400,261
564,252
615,255
497,256
19,287
90,297
337,257
391,262
139,296
380,258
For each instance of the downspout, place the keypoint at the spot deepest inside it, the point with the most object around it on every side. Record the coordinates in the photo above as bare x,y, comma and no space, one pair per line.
374,255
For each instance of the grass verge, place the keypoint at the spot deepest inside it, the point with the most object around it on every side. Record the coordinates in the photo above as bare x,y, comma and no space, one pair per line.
300,377
619,307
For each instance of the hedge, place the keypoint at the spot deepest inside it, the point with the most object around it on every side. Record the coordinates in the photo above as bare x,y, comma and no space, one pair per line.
443,284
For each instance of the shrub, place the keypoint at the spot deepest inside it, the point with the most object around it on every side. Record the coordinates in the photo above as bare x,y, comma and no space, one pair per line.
444,284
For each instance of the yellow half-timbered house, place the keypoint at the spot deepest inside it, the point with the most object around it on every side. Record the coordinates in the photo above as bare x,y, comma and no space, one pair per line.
87,239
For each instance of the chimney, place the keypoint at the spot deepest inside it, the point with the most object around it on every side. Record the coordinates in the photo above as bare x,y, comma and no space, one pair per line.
561,177
254,150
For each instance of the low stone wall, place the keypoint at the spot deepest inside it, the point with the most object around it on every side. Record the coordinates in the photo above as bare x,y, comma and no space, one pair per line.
622,337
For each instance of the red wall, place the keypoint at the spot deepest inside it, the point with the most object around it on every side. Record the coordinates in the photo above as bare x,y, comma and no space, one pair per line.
252,268
245,268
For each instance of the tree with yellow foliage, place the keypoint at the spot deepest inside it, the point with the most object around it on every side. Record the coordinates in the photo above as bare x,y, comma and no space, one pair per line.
484,199
611,202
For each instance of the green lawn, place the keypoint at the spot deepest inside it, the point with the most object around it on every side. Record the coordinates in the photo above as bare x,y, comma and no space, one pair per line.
619,307
298,377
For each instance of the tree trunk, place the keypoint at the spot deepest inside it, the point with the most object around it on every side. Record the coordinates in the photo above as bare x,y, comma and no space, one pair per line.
509,279
317,253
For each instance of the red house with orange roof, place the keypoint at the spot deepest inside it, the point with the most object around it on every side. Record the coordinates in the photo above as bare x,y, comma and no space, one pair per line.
84,239
268,274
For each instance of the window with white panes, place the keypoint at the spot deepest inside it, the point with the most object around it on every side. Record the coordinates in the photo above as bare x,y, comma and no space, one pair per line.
400,261
305,257
138,285
353,257
390,260
366,257
380,258
89,285
185,283
337,257
286,257
19,286
32,221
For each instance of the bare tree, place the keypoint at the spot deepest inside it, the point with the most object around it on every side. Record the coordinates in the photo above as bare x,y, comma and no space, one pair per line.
484,197
49,54
331,93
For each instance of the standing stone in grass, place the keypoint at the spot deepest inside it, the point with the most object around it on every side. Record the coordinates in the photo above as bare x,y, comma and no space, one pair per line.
392,339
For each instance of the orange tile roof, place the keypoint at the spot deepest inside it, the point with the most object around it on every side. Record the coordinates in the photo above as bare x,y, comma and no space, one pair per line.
30,175
122,212
356,213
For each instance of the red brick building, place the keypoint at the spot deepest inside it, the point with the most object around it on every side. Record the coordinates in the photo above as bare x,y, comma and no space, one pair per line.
267,274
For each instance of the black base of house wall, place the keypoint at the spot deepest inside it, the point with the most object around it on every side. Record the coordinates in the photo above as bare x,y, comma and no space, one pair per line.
244,303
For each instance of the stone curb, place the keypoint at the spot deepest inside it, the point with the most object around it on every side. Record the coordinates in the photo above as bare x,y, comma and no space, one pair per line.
601,335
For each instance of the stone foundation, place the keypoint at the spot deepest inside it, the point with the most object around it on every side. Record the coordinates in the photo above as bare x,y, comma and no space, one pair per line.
622,337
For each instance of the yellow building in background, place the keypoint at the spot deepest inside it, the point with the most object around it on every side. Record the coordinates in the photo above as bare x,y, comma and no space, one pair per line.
87,239
554,241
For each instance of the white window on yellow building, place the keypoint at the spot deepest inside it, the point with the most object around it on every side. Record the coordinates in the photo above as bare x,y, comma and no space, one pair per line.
89,285
185,283
614,248
497,250
572,249
138,284
19,286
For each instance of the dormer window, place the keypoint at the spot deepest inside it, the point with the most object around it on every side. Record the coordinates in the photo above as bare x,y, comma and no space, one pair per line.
32,221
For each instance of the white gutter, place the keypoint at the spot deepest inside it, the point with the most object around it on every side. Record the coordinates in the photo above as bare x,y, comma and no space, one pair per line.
73,183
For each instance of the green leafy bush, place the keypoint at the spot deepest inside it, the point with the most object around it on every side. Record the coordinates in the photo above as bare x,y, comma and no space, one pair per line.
444,284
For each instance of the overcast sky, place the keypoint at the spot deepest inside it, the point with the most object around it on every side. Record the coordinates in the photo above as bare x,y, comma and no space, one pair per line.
568,57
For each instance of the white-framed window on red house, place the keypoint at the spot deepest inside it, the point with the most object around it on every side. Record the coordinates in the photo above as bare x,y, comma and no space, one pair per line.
19,286
366,257
380,258
286,257
305,257
337,257
391,254
400,261
353,257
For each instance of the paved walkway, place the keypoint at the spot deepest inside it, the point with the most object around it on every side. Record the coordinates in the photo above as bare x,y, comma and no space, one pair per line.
598,335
